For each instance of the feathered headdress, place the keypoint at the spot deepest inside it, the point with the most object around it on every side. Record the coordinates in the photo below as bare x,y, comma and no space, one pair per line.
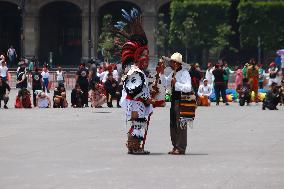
131,28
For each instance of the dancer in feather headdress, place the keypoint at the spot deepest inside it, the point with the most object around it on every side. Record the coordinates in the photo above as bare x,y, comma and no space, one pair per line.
136,97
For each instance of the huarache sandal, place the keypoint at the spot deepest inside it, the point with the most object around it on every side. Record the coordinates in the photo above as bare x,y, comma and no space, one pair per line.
178,152
171,152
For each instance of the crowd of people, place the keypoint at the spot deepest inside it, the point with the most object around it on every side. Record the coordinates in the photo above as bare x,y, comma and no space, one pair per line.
101,84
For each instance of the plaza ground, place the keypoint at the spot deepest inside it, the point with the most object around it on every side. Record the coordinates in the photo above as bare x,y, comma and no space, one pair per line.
229,147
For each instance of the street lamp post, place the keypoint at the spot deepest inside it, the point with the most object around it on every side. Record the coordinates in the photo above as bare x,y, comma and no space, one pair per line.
21,7
90,31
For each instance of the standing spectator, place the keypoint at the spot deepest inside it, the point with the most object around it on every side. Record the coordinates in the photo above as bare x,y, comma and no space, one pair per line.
22,80
204,93
36,84
4,92
261,76
239,77
82,79
219,84
252,75
245,70
273,71
3,69
209,75
228,72
195,78
59,76
111,87
45,78
115,73
93,78
12,55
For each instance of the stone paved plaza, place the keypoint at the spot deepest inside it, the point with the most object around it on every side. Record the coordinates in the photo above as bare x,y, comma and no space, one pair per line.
229,147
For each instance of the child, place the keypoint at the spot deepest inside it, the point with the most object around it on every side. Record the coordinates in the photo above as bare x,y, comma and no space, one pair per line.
244,92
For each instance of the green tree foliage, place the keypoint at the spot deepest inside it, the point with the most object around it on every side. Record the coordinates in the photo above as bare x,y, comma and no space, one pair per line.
264,19
106,38
162,35
200,25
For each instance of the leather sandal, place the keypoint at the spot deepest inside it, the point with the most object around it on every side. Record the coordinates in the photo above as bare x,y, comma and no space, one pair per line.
178,152
172,151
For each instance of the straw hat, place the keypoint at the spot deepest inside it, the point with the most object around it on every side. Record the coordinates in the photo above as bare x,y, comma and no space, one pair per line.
177,57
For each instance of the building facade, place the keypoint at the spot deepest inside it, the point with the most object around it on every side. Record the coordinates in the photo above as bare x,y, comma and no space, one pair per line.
56,29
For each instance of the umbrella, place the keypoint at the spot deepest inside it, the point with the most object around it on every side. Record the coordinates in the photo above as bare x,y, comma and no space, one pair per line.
280,52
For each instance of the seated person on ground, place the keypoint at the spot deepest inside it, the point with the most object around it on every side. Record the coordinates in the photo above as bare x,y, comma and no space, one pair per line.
43,100
272,97
204,92
77,97
111,87
4,92
97,95
23,99
244,92
59,97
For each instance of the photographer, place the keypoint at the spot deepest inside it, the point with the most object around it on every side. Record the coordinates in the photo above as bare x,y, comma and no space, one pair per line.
272,98
244,92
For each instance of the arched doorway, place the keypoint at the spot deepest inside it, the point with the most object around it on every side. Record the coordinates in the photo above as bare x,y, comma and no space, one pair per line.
61,34
10,27
114,9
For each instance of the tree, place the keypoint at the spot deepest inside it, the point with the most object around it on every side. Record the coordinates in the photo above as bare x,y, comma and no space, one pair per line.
106,38
263,19
198,25
162,35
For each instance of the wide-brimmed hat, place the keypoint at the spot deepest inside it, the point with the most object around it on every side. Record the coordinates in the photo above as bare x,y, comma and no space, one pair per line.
177,57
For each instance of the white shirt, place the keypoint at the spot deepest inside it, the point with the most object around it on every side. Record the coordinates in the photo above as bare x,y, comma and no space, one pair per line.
45,75
183,81
204,90
103,76
209,76
59,76
3,71
43,102
115,74
282,61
